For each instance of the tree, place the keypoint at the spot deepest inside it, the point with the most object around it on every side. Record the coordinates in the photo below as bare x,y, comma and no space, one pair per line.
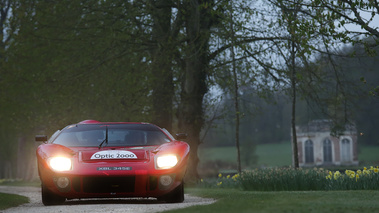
198,21
162,53
345,12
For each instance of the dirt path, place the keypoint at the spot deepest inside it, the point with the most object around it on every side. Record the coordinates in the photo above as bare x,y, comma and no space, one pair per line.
95,205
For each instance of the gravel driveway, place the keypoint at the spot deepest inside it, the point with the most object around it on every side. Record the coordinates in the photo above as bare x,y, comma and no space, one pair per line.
95,205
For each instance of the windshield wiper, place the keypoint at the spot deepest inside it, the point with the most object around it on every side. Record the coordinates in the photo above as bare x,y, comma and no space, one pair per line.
106,137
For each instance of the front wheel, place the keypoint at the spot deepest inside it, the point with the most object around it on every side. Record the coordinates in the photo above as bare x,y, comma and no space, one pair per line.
49,198
176,196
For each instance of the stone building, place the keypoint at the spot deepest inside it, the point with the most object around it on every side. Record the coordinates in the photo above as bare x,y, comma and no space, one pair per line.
316,147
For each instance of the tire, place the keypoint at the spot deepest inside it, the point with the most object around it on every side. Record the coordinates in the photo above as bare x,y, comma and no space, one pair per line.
176,196
49,198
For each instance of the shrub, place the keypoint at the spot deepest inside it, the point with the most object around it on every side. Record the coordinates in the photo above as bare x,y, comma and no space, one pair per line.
290,179
353,180
283,179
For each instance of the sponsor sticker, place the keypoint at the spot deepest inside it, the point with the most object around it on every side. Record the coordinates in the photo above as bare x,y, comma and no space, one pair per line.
113,154
109,168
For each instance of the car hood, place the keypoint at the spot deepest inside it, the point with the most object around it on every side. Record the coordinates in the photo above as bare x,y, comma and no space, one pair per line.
113,153
95,154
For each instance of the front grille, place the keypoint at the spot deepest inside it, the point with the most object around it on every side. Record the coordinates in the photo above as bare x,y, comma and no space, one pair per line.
76,183
153,182
108,184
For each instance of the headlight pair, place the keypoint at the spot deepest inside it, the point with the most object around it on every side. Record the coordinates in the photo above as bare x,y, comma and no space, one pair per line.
166,161
60,164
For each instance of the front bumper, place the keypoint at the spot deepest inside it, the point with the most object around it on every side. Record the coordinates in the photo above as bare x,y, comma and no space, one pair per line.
112,184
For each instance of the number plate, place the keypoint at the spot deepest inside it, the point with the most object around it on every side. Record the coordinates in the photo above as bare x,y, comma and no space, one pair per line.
113,168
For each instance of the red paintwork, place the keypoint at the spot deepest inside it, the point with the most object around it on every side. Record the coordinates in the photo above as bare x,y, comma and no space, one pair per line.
142,168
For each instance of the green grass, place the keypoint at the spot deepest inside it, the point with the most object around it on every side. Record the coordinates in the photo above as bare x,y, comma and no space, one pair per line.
268,154
278,155
11,182
232,200
274,154
368,154
11,200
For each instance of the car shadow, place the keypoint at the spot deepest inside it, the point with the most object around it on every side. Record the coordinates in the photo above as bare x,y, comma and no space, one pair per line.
90,201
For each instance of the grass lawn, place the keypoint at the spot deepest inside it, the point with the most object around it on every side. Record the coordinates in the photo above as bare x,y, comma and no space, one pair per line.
279,154
268,154
232,200
11,200
368,154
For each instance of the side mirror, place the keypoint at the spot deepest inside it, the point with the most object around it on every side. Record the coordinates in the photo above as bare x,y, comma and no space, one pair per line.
180,136
41,138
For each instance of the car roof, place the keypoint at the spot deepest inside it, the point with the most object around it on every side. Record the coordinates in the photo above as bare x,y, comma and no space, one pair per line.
98,122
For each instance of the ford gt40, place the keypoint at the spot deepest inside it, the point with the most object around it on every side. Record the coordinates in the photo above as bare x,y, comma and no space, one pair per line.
94,159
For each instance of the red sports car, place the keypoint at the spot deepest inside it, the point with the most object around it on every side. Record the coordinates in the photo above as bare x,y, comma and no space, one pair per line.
94,159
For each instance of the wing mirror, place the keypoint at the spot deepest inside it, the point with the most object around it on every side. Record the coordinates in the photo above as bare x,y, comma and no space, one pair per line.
180,136
41,138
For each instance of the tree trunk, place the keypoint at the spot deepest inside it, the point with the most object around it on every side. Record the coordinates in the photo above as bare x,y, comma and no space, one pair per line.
163,88
190,112
236,96
295,154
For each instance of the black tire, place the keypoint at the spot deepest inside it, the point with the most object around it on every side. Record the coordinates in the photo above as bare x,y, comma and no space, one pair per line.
49,198
176,196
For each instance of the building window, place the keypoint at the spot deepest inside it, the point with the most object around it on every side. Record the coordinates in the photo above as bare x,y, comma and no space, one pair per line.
345,150
309,151
327,147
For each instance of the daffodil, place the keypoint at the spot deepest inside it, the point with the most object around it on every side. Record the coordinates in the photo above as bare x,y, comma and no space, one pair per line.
337,174
219,175
366,172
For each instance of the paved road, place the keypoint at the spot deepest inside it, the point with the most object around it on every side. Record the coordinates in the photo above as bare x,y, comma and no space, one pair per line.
95,205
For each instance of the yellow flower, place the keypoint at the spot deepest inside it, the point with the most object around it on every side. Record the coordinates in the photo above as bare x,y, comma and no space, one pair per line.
328,177
376,170
356,177
359,172
350,172
352,175
219,183
227,177
366,172
337,174
219,175
201,180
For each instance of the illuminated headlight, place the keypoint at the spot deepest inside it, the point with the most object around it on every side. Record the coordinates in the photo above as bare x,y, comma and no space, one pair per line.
60,164
166,161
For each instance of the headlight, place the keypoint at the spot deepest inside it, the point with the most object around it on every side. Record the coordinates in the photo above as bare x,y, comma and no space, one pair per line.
60,164
166,161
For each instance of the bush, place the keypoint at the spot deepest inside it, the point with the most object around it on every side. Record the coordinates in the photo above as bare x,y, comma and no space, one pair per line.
353,180
290,179
283,179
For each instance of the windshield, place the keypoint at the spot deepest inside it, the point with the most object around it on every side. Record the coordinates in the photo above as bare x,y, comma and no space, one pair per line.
92,135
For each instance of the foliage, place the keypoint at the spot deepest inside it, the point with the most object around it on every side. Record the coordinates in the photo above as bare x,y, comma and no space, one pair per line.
283,179
366,179
66,61
290,179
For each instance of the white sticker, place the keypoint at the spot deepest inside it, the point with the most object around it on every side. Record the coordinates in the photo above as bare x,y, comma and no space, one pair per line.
114,154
